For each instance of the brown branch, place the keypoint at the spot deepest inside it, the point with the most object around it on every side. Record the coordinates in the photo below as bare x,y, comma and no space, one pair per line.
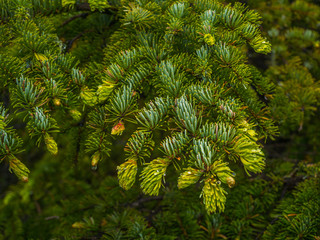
81,126
81,15
69,45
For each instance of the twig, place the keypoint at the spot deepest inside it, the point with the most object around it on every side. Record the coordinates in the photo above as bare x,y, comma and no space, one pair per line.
81,125
69,45
82,15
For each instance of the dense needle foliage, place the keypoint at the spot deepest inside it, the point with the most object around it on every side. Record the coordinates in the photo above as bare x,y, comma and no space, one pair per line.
194,127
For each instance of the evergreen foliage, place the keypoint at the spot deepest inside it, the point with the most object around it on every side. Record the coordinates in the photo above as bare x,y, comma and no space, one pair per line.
159,98
188,55
296,99
293,29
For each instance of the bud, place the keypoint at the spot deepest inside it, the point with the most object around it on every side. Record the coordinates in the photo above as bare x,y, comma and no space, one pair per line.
56,101
19,169
95,159
51,144
25,179
118,129
209,39
231,182
75,114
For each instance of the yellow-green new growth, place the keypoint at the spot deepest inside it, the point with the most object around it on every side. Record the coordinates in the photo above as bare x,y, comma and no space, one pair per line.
2,123
104,90
51,144
66,3
188,177
88,96
75,114
152,176
221,170
127,172
19,169
213,195
209,39
250,155
260,45
95,160
98,5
